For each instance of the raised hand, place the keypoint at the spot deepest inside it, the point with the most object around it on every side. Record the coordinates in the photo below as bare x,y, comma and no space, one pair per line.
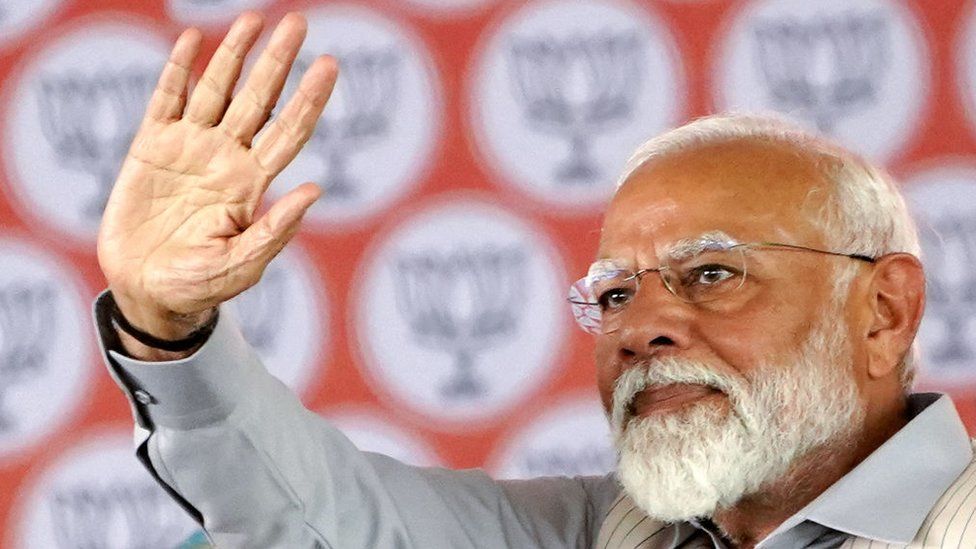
179,234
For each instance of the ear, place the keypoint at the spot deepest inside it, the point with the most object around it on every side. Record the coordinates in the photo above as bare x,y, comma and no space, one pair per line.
897,297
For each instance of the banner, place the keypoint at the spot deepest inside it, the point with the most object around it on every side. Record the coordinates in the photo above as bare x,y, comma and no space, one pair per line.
466,156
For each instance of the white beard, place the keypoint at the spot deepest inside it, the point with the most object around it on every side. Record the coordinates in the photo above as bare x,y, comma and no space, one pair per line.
686,464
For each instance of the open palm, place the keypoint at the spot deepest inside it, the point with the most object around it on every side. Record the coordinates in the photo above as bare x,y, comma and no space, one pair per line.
179,234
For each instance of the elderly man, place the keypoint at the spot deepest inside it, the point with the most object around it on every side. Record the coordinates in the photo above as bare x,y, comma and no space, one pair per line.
755,301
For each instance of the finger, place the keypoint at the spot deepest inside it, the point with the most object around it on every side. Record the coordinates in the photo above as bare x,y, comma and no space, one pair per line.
289,132
211,95
169,97
250,107
254,248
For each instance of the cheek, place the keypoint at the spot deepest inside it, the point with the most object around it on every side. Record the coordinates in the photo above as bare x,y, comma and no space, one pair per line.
757,335
743,349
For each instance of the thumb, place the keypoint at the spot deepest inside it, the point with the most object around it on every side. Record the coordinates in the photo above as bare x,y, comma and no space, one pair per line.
261,242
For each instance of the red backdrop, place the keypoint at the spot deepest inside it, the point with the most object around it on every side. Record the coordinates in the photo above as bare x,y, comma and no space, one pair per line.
466,157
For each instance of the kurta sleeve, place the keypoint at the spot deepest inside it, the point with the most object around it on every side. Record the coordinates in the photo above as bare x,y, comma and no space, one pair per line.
240,453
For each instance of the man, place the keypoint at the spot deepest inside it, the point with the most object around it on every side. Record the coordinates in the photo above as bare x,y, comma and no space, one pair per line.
755,300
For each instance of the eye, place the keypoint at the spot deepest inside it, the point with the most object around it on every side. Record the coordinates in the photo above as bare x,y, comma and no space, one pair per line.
615,298
709,275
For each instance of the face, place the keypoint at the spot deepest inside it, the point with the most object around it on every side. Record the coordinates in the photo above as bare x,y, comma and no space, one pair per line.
698,380
751,192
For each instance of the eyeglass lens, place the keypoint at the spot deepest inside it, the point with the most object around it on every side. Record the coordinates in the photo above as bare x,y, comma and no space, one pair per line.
599,299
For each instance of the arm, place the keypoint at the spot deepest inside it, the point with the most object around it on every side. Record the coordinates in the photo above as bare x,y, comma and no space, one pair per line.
209,420
180,236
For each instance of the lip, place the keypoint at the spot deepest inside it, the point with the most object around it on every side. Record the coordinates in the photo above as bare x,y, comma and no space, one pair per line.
668,398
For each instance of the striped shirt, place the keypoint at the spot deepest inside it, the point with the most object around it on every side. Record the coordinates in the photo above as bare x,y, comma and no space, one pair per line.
918,489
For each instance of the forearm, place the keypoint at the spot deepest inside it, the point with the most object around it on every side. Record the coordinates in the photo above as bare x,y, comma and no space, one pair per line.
263,471
194,409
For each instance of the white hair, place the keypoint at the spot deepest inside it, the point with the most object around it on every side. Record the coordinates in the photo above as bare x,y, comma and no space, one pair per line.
865,214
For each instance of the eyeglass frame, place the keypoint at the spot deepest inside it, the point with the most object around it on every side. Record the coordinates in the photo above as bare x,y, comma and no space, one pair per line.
636,275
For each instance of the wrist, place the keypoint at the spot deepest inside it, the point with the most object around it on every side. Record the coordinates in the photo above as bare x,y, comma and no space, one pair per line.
185,333
160,323
140,351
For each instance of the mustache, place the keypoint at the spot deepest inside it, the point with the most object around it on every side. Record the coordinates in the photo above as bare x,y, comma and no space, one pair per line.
655,373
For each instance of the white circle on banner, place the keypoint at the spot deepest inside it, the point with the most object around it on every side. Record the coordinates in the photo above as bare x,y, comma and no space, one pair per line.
98,494
371,433
459,312
71,117
564,91
858,72
375,138
571,438
211,12
20,16
966,66
45,356
943,203
285,318
449,7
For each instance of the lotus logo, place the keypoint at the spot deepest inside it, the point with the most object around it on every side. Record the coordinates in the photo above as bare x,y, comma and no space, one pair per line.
131,515
90,119
858,71
75,105
942,200
97,496
44,346
359,114
27,331
577,88
578,82
826,67
469,295
461,303
951,290
385,106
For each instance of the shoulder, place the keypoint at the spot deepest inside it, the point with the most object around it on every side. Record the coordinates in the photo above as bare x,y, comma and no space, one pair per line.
952,521
601,492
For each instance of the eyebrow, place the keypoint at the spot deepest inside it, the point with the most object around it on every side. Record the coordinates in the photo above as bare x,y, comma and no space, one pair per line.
684,248
712,240
603,266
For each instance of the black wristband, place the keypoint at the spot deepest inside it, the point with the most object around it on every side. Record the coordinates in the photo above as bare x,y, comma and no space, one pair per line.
195,338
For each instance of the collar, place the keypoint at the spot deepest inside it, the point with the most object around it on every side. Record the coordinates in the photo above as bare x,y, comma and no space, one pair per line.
889,494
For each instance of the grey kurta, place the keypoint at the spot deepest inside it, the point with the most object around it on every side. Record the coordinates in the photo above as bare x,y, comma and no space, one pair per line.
262,471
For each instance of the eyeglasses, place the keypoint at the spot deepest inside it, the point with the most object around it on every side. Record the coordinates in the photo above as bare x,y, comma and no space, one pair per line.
712,271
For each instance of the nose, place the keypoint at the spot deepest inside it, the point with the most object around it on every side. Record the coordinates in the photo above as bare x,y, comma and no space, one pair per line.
655,323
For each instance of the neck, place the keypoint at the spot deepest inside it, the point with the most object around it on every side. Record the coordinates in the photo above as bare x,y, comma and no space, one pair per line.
756,516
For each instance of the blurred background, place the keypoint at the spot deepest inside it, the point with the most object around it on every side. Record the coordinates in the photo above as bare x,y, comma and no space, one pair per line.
466,156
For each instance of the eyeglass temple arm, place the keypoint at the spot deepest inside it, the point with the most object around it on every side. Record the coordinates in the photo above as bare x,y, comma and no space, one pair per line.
859,257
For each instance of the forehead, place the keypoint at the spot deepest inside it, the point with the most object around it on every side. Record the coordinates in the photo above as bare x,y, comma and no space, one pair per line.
752,191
